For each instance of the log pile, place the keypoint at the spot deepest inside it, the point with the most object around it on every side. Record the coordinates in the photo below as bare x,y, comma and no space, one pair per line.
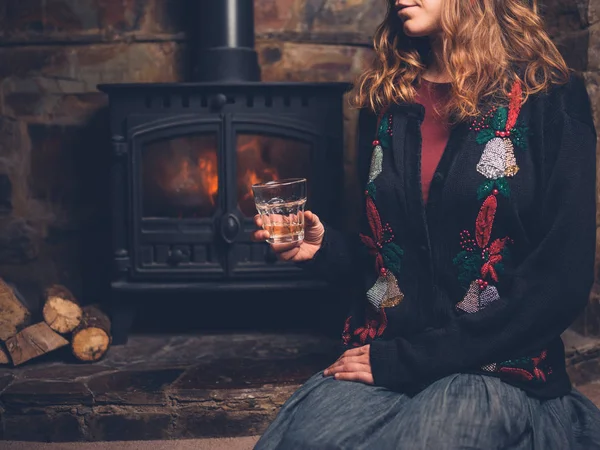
65,323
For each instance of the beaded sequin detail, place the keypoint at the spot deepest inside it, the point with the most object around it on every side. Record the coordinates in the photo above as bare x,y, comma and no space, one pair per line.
498,159
375,325
376,163
385,293
528,369
488,296
499,131
470,302
490,367
479,296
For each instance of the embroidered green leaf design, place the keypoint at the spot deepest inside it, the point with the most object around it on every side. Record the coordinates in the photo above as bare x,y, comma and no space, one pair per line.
371,190
503,186
518,137
520,362
499,119
392,257
484,136
382,133
487,186
485,189
506,256
499,268
469,265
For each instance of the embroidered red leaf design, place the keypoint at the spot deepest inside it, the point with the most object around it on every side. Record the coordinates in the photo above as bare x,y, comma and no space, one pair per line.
374,220
383,324
539,374
368,331
485,220
372,329
514,108
495,259
485,269
488,269
497,246
516,371
493,273
346,333
369,242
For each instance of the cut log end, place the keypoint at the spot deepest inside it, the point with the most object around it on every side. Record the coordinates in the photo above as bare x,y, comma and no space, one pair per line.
4,358
62,315
34,341
92,338
14,316
90,344
61,309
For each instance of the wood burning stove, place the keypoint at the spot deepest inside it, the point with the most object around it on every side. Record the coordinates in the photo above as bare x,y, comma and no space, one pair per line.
186,154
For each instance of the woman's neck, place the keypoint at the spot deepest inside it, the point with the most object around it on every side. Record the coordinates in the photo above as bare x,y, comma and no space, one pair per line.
436,71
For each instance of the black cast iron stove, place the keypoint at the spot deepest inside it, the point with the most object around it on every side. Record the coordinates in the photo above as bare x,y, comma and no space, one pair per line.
186,154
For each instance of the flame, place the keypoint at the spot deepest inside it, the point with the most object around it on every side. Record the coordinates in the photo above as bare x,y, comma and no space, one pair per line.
256,171
200,177
195,173
210,180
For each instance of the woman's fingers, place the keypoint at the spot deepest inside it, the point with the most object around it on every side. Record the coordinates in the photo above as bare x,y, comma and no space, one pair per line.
349,367
363,377
260,236
289,255
357,351
282,248
258,221
344,362
311,219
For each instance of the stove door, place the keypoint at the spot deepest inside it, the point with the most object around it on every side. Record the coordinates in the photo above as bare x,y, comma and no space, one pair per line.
177,173
266,148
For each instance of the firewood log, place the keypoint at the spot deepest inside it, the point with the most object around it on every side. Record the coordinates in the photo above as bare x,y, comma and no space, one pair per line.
92,338
4,358
14,316
61,309
34,341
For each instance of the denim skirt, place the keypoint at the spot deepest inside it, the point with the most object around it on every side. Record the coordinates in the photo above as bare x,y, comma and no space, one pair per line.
461,411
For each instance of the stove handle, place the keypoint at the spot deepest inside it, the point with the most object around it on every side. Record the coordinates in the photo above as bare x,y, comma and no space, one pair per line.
230,227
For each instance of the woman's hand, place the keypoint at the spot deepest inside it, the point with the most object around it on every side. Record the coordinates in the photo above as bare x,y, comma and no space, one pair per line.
295,251
353,365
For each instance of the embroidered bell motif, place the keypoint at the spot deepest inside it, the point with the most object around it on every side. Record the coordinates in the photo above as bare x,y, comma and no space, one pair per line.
470,302
488,296
376,163
511,168
498,159
385,293
477,299
493,160
490,367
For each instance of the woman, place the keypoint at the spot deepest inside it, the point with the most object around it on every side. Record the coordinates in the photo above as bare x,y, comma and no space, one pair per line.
477,248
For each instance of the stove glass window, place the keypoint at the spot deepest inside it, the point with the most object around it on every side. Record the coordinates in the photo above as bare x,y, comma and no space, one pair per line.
180,177
262,158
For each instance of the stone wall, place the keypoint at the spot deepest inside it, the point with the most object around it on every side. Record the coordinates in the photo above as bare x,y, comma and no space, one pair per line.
53,126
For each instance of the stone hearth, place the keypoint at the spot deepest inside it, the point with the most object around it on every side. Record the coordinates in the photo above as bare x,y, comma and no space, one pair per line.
161,387
218,385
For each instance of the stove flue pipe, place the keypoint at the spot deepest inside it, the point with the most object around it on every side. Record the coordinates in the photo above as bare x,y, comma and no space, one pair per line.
224,47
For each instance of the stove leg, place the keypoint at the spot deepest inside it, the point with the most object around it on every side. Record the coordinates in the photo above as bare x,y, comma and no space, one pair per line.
122,314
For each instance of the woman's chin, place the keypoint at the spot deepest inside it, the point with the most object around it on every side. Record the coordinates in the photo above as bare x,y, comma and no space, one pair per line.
414,31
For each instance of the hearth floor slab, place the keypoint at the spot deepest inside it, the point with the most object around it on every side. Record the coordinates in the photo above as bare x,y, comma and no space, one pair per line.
242,443
161,387
186,387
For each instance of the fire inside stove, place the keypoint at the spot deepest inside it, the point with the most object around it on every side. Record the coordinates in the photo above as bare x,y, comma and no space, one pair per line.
181,175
